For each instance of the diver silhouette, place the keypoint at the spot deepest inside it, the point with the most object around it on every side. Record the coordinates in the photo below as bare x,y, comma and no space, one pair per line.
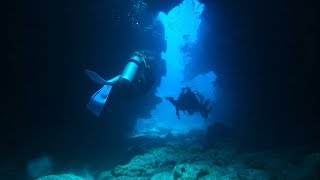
191,102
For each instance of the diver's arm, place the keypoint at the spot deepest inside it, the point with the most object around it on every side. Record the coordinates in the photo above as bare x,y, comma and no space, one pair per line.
177,113
172,101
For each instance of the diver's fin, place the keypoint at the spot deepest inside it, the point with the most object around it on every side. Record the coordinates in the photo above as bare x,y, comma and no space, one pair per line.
97,101
95,77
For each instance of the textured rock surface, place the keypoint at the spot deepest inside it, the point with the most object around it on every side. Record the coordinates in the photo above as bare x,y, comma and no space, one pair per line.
61,177
187,160
190,171
158,160
162,176
180,161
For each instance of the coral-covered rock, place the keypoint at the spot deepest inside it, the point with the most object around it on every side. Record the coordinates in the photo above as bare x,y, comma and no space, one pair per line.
190,171
106,175
309,168
162,176
158,160
61,177
253,174
183,160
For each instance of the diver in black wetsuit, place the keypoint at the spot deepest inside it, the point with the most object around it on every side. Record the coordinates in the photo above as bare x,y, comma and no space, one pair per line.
190,101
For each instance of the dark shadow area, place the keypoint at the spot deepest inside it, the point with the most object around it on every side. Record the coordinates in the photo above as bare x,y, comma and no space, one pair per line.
48,46
265,55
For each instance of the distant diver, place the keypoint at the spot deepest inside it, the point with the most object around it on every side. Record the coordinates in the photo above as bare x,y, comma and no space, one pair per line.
136,76
191,102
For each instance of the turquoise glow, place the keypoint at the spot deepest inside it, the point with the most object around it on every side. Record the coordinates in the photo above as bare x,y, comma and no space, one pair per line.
181,27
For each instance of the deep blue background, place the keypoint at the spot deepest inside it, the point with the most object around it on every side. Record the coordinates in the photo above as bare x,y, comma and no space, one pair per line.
265,54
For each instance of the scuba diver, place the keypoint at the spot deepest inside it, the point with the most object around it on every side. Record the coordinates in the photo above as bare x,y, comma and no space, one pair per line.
136,77
190,101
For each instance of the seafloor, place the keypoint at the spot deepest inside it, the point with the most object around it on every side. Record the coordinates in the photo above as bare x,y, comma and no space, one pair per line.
188,157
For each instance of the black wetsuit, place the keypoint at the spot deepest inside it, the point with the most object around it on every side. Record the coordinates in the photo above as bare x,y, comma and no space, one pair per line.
191,102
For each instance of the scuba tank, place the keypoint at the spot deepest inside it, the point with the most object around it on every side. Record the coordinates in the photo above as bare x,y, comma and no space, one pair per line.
135,65
131,70
136,76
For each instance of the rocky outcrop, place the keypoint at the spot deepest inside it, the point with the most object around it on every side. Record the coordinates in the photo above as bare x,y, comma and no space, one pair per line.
61,177
190,171
178,160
